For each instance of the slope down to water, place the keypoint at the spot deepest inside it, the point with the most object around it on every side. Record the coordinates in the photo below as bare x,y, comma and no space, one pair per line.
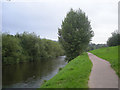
74,75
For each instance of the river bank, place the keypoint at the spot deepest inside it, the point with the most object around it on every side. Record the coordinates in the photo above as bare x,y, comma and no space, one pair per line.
74,75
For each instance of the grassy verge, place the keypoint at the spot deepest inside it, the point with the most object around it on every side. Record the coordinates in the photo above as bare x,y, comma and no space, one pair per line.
110,54
74,75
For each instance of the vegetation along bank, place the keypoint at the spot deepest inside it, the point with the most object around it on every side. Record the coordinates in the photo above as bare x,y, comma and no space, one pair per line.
74,75
27,47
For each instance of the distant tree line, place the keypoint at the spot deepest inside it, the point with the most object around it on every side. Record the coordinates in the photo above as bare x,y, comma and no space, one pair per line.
27,47
93,46
114,40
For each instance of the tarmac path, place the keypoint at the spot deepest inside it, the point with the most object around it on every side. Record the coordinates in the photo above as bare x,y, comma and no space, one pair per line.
102,75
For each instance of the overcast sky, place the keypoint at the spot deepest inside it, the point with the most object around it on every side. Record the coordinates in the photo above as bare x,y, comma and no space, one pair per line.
44,17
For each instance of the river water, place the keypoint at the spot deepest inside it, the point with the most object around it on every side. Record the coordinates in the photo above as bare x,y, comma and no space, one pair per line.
32,74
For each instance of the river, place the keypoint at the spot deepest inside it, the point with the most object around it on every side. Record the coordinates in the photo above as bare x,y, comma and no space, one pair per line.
31,74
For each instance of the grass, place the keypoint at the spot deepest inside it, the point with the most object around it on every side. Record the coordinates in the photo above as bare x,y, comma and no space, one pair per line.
110,54
74,75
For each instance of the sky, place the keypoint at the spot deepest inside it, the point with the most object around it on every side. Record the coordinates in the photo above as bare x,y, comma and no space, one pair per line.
44,17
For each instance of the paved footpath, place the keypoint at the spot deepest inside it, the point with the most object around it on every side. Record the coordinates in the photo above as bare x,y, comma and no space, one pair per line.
102,75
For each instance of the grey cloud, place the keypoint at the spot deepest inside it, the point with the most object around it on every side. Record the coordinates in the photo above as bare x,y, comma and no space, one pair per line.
45,17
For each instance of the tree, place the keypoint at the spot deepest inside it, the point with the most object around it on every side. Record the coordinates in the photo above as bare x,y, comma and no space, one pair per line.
75,33
11,49
31,44
114,40
27,47
93,46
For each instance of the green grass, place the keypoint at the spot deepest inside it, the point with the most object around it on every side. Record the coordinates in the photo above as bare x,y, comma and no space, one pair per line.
110,54
74,75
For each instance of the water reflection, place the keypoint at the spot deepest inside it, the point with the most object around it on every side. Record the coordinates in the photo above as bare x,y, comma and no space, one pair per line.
31,74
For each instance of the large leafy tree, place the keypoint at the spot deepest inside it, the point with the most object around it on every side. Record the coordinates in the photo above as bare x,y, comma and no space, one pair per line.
75,33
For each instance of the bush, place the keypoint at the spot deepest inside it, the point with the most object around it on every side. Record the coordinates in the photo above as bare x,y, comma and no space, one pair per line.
114,40
60,68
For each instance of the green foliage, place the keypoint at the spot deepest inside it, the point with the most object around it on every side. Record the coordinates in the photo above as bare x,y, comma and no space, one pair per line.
75,33
74,75
60,68
11,49
28,47
110,54
31,45
115,39
45,81
52,48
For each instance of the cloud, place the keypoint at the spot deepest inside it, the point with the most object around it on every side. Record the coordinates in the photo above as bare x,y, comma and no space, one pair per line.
45,16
